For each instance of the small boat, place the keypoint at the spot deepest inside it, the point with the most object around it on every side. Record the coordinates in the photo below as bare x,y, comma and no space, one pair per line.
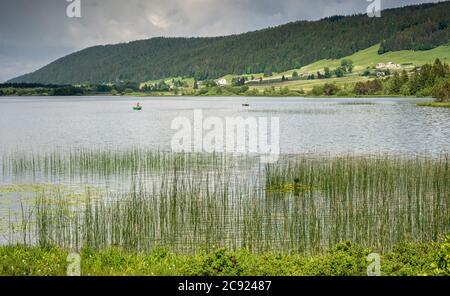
137,107
246,105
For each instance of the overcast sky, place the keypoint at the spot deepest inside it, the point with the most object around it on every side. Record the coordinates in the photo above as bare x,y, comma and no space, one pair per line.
36,32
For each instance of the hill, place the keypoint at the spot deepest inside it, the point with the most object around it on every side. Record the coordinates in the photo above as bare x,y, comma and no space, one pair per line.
293,45
366,58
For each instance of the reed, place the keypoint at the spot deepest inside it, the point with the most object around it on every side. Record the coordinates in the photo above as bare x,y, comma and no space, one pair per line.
301,204
94,163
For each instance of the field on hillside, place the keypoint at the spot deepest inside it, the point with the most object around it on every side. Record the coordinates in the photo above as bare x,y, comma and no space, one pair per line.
307,85
370,57
362,60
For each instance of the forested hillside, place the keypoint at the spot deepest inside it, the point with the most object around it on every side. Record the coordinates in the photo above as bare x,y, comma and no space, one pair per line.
275,49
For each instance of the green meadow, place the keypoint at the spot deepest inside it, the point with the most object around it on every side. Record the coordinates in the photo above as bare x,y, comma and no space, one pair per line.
434,104
367,58
344,259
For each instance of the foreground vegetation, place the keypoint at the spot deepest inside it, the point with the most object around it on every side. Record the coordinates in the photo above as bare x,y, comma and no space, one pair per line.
213,214
406,259
189,202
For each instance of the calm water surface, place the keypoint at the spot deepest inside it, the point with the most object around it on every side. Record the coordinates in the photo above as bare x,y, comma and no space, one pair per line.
306,125
322,126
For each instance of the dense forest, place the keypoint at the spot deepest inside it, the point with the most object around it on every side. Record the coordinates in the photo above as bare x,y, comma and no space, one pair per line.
37,89
277,49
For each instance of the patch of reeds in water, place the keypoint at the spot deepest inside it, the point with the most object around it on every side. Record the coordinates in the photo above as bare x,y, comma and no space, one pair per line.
305,205
97,163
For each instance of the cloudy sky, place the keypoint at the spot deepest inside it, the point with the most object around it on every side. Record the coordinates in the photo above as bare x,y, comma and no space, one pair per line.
35,32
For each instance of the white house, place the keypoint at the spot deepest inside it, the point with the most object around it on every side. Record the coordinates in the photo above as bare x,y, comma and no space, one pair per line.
221,82
389,65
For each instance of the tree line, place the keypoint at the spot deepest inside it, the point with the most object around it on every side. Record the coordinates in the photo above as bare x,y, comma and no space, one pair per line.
36,89
276,49
430,80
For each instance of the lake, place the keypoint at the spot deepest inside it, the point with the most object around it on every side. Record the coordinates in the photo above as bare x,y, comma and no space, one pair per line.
306,125
91,171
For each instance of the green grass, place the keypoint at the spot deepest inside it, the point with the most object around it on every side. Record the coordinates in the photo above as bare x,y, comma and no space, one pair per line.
308,85
369,58
343,259
189,202
434,104
100,162
168,80
150,94
362,59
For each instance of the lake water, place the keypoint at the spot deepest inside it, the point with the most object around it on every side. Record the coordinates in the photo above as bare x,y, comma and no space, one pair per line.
230,202
307,125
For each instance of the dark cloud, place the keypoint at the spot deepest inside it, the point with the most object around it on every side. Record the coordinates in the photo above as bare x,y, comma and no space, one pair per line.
33,33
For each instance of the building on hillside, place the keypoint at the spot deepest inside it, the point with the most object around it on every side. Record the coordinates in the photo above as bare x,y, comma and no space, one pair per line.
221,82
389,65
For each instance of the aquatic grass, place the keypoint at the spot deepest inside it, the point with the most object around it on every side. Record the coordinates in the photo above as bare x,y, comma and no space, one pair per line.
373,201
94,163
300,204
434,104
356,103
304,111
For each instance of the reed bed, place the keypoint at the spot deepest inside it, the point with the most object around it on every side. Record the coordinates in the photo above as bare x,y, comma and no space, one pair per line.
98,163
300,205
375,201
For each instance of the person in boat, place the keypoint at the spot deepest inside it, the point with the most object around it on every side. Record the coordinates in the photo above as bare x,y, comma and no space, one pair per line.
137,105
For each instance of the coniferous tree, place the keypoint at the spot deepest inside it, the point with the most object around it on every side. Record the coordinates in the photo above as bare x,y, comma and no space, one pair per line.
277,49
395,84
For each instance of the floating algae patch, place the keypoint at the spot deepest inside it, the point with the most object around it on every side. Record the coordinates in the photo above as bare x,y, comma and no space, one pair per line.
14,195
15,198
49,189
291,187
19,188
305,111
357,103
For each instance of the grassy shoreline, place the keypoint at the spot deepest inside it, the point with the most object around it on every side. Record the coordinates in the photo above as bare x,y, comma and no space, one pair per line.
434,104
169,95
345,259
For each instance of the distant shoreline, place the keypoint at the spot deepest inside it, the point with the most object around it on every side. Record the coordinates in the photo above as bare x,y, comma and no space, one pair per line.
228,96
